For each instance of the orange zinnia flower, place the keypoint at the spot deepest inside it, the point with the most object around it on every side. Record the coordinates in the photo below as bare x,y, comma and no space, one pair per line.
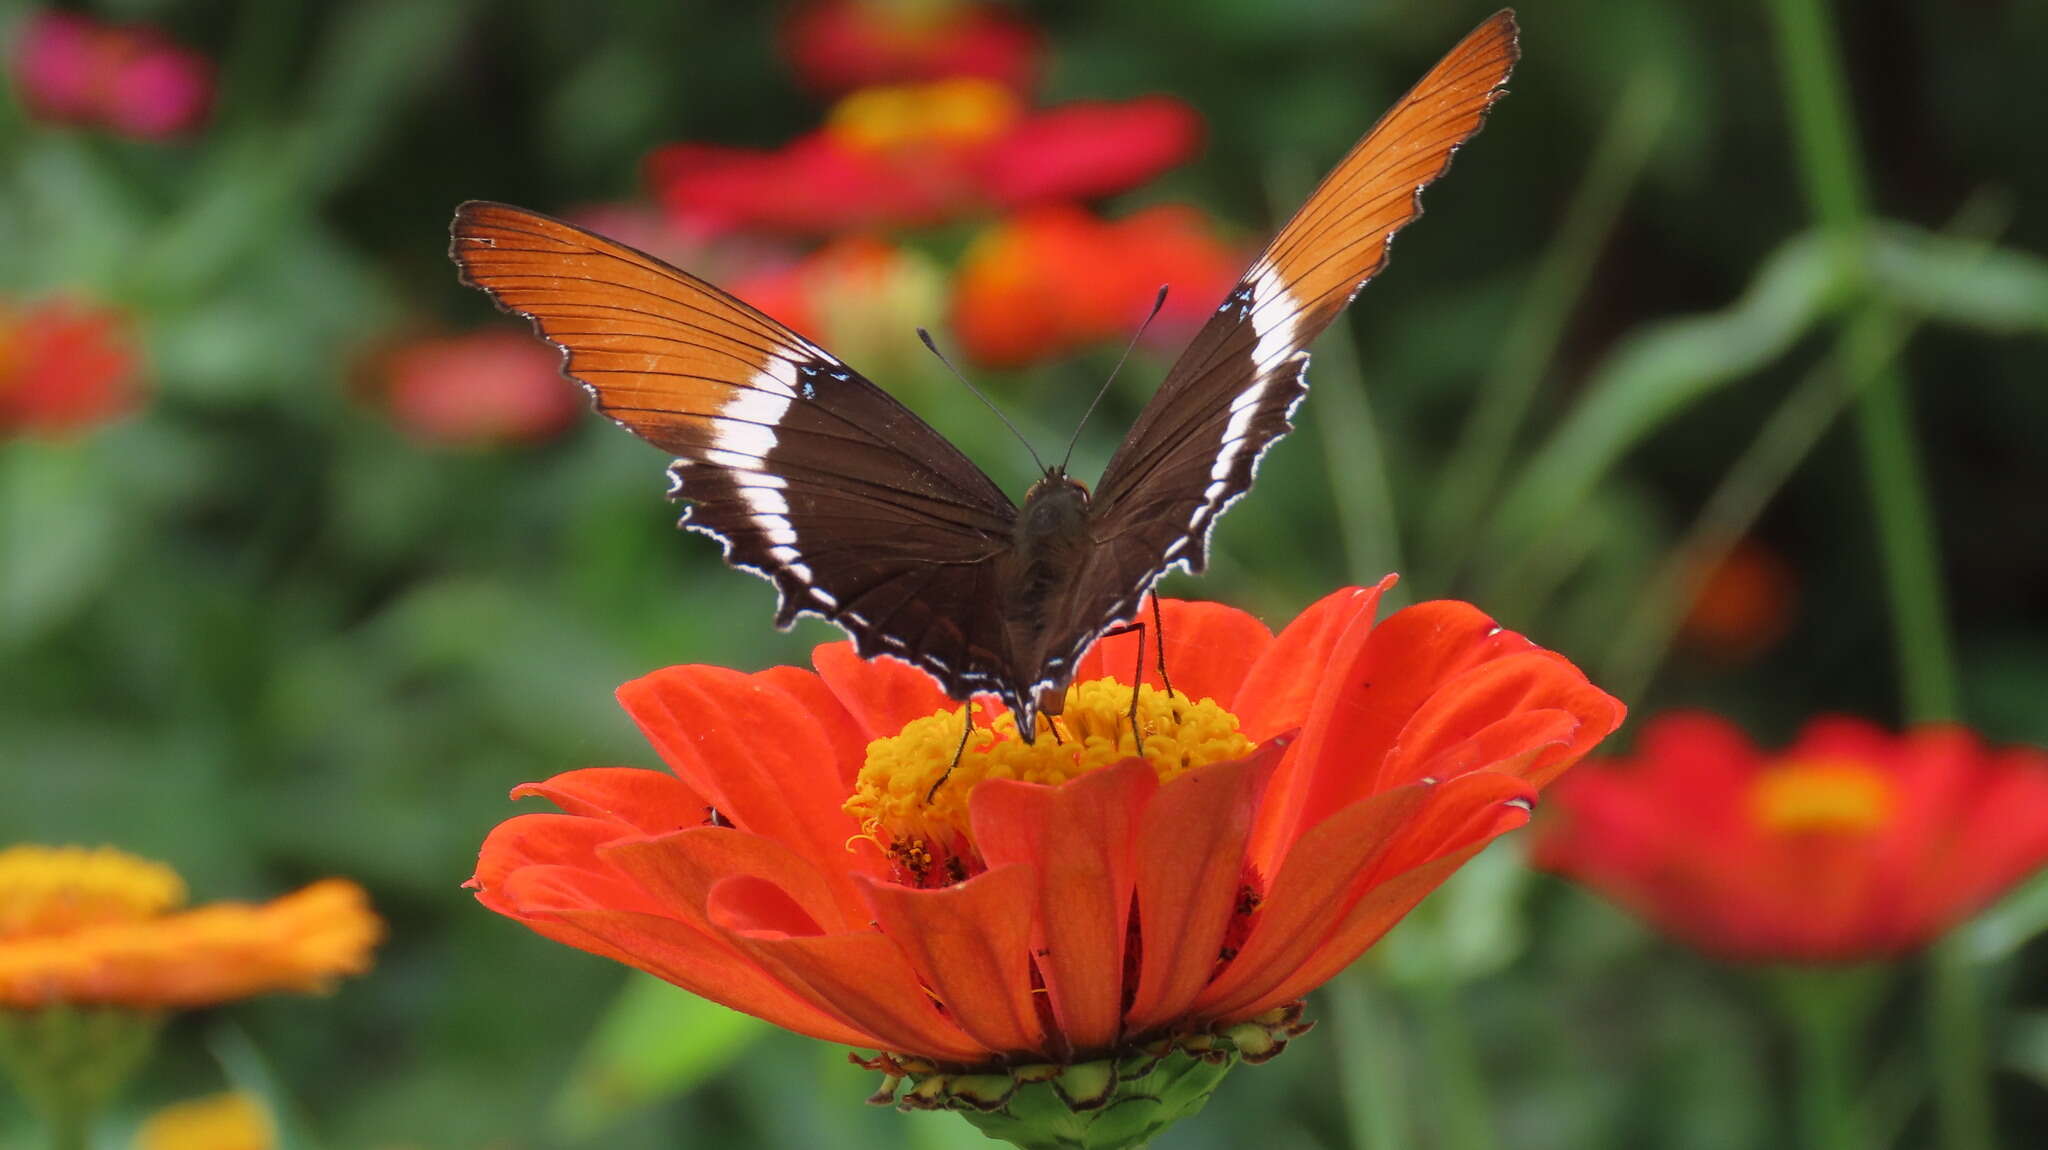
1851,844
1064,900
93,951
1053,279
1743,604
100,928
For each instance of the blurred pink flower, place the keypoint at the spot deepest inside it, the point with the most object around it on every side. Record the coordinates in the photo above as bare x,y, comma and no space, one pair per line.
72,69
65,365
839,45
493,386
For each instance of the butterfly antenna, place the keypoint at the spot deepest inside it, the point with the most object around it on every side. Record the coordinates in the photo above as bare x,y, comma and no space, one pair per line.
1156,305
934,349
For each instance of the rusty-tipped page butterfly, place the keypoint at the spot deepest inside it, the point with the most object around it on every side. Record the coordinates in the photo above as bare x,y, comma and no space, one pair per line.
860,513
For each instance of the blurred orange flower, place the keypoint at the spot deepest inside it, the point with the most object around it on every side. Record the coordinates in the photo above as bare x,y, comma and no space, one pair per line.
923,155
99,927
1053,279
1849,845
64,365
873,279
231,1121
72,69
840,45
490,386
1054,900
1744,603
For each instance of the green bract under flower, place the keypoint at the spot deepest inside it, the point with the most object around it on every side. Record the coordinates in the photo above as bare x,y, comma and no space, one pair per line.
1106,1104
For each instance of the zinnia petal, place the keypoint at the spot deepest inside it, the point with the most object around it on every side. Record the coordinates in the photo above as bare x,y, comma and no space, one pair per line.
1082,837
971,943
1191,851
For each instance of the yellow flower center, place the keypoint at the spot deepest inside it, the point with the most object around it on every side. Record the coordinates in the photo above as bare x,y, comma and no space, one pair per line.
958,111
54,890
896,805
1829,796
231,1121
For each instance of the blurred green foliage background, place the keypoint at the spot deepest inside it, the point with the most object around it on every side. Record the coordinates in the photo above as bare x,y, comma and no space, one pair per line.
256,630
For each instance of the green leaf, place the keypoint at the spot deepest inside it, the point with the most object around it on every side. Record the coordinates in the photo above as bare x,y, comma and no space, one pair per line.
654,1043
60,530
1652,376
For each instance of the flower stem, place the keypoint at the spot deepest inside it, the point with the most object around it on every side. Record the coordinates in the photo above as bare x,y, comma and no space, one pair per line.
1370,1078
1927,671
1826,150
1826,1010
1467,1114
1956,1033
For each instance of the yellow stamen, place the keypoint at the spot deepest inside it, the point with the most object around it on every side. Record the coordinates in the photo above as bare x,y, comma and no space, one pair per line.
889,798
55,890
231,1121
964,110
1823,796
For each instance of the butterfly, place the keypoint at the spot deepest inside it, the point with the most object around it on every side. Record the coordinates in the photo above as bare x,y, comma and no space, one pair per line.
860,513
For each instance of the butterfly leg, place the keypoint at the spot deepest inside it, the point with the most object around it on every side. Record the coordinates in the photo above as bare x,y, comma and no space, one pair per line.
966,731
1137,678
1159,626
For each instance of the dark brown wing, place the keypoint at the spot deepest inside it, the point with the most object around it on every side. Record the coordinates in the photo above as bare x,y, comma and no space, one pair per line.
808,474
1197,445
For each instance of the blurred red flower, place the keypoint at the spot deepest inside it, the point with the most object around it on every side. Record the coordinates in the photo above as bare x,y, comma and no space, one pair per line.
1052,279
1744,603
840,45
65,365
923,155
72,69
1051,900
492,386
1849,845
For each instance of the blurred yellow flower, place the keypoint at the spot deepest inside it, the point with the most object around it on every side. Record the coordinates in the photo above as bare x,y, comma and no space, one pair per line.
100,927
230,1121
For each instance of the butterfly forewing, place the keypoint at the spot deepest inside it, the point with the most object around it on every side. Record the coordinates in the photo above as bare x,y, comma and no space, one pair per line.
1226,399
859,512
810,475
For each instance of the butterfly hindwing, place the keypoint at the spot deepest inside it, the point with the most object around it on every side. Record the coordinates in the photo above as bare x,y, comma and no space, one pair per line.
810,475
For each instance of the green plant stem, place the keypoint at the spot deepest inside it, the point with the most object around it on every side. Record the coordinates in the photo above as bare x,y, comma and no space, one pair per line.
1829,164
1645,635
1955,1023
1471,476
1467,1115
1830,167
1369,1066
1357,464
1826,1010
1755,477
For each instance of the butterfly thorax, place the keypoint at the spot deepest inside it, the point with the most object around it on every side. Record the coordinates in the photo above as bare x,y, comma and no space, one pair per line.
1048,546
